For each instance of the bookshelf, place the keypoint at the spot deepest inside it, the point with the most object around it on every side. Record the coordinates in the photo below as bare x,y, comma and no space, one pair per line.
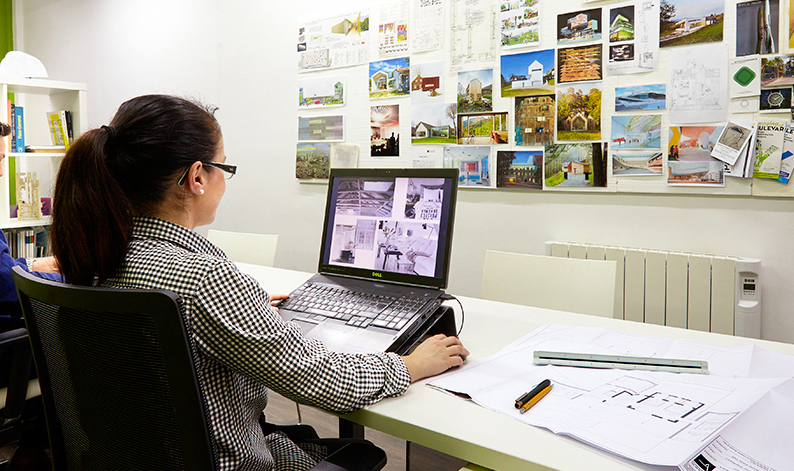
37,97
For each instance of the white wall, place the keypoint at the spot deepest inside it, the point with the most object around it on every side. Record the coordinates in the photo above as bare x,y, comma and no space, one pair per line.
241,56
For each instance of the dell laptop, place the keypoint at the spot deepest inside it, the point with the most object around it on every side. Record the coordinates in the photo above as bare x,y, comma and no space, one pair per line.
384,259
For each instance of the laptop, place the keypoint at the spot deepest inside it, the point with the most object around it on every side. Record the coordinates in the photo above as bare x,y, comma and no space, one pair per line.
384,260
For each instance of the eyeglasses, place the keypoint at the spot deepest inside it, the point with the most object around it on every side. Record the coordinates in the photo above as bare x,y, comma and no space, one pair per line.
228,171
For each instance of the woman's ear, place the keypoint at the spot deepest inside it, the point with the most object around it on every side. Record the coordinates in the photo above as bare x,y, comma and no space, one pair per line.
196,179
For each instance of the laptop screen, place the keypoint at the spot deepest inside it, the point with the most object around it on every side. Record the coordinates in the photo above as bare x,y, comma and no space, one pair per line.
390,224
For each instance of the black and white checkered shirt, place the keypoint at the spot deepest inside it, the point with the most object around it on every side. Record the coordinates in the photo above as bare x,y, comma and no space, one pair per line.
244,347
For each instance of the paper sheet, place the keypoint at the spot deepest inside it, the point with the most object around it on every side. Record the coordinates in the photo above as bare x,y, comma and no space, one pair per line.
655,417
698,90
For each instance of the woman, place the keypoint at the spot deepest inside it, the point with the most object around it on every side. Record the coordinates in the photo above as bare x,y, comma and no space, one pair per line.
127,198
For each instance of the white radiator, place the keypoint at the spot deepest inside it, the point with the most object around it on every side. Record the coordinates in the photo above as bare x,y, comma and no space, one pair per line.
705,292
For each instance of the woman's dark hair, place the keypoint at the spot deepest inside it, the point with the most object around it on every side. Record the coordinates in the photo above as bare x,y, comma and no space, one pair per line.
128,168
5,129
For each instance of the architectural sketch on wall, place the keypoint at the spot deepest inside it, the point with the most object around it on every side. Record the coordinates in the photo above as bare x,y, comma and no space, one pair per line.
339,41
321,92
699,84
473,34
393,37
519,23
427,33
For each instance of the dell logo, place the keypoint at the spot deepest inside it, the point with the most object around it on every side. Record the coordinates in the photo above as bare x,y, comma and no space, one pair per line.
377,274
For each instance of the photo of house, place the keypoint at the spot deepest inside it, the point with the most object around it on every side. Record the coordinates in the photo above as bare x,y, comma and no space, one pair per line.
534,120
777,71
472,163
384,134
519,169
621,24
528,73
312,160
642,131
637,163
475,91
584,25
698,173
575,165
482,128
388,78
579,64
686,22
434,123
641,97
579,112
518,21
321,92
426,82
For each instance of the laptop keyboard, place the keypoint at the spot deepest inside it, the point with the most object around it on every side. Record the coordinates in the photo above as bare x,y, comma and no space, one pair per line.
316,302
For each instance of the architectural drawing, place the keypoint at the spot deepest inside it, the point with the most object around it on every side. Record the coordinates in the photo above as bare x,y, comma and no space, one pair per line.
699,84
473,34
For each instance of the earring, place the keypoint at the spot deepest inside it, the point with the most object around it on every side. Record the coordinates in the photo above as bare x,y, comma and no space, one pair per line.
201,191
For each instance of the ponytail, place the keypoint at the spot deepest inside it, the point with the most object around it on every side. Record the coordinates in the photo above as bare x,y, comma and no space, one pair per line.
91,216
129,168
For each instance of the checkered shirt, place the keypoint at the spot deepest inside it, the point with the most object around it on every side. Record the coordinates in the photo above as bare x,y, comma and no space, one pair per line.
244,347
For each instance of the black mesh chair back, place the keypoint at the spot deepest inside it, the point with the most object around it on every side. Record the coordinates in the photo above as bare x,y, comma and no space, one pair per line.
15,349
118,377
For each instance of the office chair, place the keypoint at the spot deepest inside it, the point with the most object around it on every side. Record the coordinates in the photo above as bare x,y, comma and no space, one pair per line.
16,398
564,284
118,379
257,249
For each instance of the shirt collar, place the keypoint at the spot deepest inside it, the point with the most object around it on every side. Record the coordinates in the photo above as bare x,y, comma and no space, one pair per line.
150,228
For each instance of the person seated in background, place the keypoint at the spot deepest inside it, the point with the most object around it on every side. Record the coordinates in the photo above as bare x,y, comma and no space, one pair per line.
158,171
10,311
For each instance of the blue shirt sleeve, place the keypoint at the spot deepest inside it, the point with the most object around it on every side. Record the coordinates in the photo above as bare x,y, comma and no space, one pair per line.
7,262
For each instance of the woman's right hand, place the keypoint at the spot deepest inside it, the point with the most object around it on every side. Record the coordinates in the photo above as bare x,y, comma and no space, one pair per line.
435,355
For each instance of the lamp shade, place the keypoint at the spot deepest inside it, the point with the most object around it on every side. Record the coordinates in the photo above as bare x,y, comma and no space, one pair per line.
19,64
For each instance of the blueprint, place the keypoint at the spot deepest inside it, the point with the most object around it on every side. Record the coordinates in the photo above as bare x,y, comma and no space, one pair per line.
659,418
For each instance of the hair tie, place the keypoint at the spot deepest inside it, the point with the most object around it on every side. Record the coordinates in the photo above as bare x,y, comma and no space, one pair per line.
111,133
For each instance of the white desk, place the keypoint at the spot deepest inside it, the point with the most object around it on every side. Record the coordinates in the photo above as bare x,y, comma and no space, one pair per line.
465,430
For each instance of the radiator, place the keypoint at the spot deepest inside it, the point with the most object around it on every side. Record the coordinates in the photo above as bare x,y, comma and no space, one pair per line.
712,293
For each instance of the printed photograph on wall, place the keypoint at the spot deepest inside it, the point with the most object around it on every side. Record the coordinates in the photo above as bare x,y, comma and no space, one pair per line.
641,97
534,120
529,73
521,169
628,163
321,128
621,24
579,64
384,135
642,131
389,78
579,112
473,164
776,99
777,71
321,92
757,27
426,82
312,160
687,22
583,25
482,128
434,123
475,91
689,160
519,23
575,165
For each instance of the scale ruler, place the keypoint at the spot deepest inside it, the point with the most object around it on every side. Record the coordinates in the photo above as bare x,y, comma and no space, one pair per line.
592,360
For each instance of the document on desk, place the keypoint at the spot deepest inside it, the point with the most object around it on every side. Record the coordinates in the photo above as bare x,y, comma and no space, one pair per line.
654,417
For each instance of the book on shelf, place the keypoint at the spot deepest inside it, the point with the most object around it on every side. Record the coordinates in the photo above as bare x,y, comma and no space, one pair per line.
46,149
58,128
19,128
12,140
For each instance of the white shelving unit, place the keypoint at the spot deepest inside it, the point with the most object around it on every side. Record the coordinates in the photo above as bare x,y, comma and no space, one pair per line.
37,97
